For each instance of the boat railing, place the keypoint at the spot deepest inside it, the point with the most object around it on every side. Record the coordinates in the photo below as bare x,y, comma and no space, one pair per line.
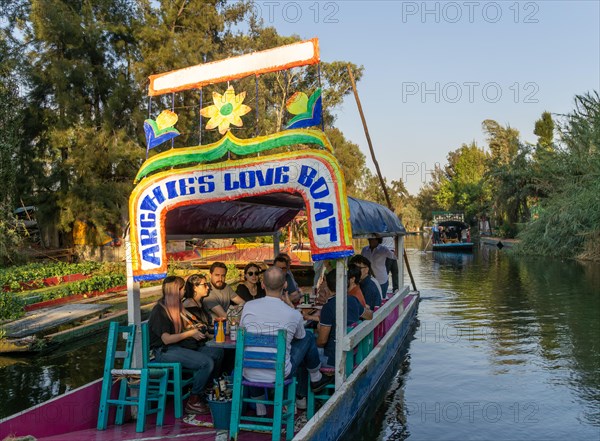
363,338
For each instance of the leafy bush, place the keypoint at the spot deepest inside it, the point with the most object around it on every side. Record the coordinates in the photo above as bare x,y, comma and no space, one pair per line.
11,237
100,282
34,273
11,306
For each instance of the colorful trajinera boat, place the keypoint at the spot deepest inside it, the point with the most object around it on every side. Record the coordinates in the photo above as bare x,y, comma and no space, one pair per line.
202,192
453,235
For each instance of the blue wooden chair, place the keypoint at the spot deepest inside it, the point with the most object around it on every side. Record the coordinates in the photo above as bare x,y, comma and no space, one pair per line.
138,387
180,378
246,356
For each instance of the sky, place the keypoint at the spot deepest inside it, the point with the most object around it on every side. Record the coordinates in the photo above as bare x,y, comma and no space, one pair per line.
434,71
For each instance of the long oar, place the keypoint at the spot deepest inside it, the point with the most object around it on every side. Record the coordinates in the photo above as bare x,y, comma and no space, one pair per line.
385,192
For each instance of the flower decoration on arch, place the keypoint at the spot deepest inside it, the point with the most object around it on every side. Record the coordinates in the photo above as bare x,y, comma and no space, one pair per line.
160,130
227,109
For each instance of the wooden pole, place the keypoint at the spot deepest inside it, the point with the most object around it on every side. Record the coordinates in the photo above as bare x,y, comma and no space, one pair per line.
383,186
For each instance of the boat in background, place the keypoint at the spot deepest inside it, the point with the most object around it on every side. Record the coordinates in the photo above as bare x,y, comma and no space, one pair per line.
454,234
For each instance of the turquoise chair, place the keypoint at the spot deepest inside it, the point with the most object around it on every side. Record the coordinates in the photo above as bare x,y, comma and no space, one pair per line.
247,357
180,378
138,387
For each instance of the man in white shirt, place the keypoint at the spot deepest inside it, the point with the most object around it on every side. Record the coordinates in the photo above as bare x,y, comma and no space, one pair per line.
391,265
377,254
267,316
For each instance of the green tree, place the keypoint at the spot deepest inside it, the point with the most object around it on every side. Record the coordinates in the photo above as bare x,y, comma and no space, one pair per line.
504,146
569,220
373,191
80,92
544,129
503,142
462,186
11,116
411,216
426,200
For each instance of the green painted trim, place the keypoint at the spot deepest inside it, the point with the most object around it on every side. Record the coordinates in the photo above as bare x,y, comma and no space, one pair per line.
229,143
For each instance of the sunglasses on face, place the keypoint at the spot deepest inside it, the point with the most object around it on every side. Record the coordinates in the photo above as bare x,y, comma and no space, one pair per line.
252,273
203,284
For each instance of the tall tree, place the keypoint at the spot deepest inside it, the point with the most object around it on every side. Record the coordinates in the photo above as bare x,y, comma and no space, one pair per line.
503,142
463,186
80,91
11,117
544,129
569,219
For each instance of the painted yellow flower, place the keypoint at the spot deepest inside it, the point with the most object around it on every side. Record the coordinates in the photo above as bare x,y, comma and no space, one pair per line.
227,109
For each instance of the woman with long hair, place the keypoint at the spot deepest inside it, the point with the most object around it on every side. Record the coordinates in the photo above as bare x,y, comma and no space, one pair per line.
251,288
171,341
197,288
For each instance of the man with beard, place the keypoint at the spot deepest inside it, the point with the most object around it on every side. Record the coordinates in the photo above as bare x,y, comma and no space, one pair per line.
221,295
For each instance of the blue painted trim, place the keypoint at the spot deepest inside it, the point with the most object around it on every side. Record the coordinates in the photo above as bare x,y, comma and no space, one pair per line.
148,277
333,255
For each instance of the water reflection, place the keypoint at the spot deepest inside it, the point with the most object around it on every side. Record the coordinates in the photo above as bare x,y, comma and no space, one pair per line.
498,329
27,381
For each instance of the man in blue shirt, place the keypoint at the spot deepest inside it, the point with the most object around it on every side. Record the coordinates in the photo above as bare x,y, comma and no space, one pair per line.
326,329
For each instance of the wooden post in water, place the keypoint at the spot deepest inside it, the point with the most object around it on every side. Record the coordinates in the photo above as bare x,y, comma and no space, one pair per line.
385,192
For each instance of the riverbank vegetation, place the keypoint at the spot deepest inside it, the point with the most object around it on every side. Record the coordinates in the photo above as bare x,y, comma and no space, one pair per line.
544,194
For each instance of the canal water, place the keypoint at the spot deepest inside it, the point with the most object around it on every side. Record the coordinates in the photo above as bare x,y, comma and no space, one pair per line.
506,348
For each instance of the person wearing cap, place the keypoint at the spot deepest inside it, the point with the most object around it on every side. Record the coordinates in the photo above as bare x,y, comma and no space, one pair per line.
377,254
391,265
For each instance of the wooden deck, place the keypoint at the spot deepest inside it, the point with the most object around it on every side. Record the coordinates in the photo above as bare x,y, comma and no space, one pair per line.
48,319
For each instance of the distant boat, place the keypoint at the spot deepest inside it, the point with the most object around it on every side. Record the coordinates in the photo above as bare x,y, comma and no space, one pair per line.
452,241
453,247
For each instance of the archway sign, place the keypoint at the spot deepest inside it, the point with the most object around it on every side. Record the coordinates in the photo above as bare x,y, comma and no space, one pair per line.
185,178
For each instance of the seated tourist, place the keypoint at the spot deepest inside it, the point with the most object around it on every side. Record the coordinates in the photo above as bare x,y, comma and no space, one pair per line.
326,330
171,341
251,288
267,316
371,290
283,262
221,295
196,290
353,284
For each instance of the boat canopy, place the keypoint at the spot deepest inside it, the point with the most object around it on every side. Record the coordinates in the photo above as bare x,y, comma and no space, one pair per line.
265,215
453,223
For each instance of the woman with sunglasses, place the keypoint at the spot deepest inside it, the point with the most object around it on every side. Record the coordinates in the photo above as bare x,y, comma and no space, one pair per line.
196,289
251,288
171,341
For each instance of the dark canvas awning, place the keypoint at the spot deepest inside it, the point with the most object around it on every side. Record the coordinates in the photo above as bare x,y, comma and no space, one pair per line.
369,218
267,214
